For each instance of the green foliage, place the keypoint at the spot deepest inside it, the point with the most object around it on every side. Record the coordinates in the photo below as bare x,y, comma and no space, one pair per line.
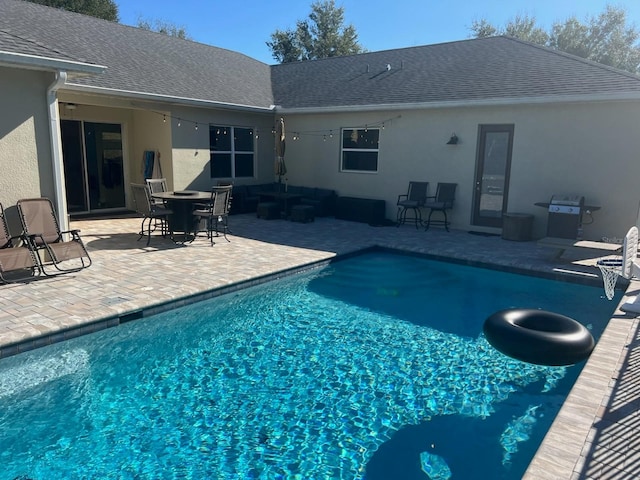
322,35
162,26
524,28
606,38
104,9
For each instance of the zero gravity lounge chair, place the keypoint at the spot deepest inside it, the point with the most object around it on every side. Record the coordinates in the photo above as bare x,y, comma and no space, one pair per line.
17,258
54,247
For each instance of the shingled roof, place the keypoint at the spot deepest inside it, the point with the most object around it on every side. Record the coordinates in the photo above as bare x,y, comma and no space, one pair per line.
465,71
137,61
144,63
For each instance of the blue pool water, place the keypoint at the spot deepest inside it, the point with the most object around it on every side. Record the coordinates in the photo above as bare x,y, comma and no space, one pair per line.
374,367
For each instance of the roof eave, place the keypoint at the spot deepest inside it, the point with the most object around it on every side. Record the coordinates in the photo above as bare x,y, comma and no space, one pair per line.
497,102
155,97
35,62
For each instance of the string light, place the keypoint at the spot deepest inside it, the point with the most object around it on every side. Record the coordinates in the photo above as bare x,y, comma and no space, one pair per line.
359,130
296,135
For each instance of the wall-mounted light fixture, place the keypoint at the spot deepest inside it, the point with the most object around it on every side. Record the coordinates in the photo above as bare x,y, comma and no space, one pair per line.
453,140
70,106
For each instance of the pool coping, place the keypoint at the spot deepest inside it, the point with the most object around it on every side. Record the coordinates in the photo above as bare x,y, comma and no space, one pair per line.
570,450
111,321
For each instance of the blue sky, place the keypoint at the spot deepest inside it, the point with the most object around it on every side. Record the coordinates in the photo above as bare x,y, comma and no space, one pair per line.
245,25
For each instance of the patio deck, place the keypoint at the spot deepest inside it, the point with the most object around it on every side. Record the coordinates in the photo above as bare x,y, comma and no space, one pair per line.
594,435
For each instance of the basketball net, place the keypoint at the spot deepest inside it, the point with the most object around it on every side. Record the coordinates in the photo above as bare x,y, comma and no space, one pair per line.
611,269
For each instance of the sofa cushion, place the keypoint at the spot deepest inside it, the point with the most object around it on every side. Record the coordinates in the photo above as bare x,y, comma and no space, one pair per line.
324,192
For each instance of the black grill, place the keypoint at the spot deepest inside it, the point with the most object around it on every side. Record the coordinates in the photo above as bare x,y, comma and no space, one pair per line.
565,216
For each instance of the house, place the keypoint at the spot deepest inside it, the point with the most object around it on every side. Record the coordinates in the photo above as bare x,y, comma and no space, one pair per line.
83,99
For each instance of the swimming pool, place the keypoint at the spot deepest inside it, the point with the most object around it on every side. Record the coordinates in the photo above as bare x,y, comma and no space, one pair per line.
372,367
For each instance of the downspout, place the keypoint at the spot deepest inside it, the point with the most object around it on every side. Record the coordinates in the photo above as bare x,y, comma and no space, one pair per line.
56,149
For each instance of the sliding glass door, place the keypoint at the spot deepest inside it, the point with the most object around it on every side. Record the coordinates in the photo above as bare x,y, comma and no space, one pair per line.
93,166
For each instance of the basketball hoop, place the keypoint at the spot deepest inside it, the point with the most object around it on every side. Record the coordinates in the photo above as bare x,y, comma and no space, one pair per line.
611,269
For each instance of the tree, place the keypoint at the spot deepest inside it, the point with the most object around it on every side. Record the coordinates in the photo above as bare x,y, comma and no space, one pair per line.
162,26
322,35
606,38
104,9
524,27
521,26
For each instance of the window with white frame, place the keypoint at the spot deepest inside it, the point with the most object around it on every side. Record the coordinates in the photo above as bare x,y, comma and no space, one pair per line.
231,151
360,149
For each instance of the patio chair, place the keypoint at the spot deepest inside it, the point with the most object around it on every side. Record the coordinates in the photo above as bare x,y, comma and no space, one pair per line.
157,185
53,246
215,214
441,202
17,256
413,200
153,215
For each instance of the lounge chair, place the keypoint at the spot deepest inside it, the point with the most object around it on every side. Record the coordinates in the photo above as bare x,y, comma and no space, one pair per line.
215,214
17,256
441,202
413,200
52,245
153,215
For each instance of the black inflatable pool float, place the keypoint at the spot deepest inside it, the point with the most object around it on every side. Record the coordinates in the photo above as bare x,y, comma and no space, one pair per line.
538,336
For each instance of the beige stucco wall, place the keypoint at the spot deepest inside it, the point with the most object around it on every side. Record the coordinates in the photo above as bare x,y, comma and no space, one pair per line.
149,131
190,156
25,152
184,150
142,129
590,149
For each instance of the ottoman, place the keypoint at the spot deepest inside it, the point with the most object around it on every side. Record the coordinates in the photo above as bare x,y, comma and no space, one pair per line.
303,213
268,210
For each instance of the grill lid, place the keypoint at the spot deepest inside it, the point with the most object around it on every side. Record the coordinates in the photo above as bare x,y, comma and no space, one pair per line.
572,200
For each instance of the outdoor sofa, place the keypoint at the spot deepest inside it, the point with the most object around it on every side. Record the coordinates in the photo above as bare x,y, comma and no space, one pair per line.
246,197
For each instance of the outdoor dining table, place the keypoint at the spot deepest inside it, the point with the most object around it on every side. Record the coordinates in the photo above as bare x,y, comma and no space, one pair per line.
181,202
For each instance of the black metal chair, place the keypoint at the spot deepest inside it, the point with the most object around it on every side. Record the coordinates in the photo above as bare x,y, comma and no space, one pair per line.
215,214
441,202
413,200
152,214
157,185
